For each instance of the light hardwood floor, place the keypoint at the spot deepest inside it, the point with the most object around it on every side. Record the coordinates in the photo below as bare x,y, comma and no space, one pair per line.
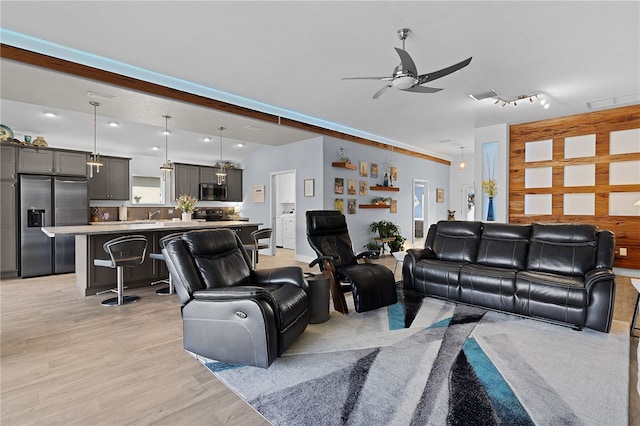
66,360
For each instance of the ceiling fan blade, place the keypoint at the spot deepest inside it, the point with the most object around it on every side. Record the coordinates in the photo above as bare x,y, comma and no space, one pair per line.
367,78
422,89
425,78
380,92
407,62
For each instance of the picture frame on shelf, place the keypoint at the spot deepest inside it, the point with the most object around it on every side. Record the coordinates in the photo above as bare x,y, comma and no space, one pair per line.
309,187
394,206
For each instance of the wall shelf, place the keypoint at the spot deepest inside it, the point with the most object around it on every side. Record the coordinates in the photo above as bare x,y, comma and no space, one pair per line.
384,188
374,206
344,166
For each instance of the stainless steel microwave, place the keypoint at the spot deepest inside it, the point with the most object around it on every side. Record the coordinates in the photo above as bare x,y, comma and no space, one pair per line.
213,192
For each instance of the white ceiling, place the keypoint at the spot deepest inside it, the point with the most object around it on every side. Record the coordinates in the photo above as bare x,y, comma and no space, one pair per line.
289,57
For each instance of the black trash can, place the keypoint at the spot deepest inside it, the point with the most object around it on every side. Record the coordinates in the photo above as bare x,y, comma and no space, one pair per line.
318,298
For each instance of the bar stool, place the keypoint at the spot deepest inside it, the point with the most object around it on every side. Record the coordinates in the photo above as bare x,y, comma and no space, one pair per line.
165,291
256,236
128,250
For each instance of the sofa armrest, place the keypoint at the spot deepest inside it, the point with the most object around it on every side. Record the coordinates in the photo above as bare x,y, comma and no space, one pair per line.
595,276
282,275
600,285
233,293
417,254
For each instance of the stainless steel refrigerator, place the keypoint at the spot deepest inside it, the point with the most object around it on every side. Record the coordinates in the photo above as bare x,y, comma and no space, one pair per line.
50,201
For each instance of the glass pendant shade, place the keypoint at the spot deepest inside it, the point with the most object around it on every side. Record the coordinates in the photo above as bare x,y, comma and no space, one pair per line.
167,167
221,175
462,165
94,158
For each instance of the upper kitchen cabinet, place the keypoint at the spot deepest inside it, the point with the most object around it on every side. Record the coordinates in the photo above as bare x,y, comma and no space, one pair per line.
234,185
8,165
112,183
52,162
186,180
207,174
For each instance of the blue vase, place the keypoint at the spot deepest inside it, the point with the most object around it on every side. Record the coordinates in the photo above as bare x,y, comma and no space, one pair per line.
490,216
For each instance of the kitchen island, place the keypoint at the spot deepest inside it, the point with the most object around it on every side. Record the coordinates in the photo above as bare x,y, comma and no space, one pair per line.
90,238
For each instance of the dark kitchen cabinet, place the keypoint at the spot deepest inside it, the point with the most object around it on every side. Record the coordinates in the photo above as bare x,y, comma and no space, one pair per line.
52,162
234,185
112,183
8,215
186,180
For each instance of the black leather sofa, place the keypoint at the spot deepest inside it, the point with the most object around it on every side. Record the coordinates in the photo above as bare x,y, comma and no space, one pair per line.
230,312
557,272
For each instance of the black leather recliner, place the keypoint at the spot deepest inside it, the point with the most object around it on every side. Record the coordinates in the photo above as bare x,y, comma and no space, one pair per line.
373,286
230,312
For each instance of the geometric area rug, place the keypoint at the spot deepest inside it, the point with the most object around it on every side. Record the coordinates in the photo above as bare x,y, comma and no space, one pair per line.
425,361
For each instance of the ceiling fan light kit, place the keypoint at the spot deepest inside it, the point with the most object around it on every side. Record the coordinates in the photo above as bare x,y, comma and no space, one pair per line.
405,76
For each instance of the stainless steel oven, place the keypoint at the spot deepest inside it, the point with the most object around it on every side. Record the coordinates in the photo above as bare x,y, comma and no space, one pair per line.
213,192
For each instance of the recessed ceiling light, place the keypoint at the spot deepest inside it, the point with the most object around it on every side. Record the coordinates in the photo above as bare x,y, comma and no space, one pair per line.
114,124
481,96
254,128
166,132
155,148
206,139
49,114
240,145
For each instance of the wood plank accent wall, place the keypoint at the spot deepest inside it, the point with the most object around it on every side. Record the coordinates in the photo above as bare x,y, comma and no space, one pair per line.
68,67
601,123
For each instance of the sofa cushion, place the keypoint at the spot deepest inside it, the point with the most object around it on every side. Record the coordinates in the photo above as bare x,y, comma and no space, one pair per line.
566,249
504,245
456,241
545,295
488,286
438,277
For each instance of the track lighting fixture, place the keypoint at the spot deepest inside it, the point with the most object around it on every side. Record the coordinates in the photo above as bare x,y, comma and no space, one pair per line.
502,101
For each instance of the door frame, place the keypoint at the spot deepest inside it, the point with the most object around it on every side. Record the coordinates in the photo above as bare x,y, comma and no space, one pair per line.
272,206
425,208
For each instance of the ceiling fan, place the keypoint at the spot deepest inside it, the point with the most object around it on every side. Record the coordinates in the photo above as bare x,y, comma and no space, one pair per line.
405,76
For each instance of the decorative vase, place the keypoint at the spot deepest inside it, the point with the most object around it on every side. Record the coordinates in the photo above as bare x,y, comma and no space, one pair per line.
385,182
186,217
490,216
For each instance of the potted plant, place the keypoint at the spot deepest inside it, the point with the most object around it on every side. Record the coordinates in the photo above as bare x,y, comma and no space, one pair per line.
397,244
384,228
372,246
187,204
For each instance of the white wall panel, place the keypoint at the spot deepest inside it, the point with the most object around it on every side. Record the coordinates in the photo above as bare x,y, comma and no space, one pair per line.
623,204
580,175
538,151
538,177
580,204
624,141
624,173
537,204
580,146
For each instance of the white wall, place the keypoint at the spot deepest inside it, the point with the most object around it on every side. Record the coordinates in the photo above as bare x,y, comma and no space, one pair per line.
408,168
459,178
306,158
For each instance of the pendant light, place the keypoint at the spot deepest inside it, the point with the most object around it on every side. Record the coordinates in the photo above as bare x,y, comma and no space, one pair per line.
222,173
167,167
94,158
462,165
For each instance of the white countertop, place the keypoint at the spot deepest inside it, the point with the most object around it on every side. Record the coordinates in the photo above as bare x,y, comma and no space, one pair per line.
116,227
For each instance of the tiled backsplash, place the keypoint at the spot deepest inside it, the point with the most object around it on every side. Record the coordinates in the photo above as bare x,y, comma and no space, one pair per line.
104,214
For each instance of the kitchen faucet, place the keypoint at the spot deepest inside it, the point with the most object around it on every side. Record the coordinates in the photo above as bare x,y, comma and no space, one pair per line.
152,213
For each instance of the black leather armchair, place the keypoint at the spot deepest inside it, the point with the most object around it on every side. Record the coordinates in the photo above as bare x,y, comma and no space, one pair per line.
373,286
230,312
